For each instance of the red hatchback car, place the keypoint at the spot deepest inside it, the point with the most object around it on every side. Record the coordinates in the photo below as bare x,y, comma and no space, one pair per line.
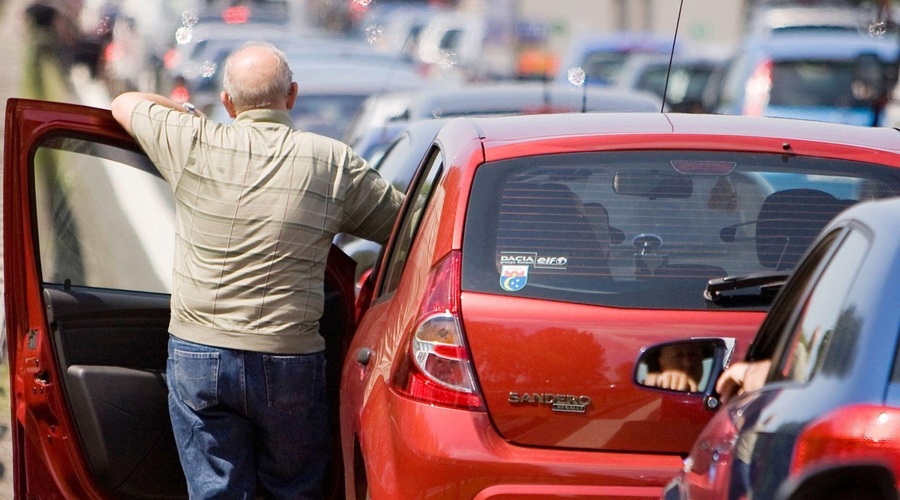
537,255
495,358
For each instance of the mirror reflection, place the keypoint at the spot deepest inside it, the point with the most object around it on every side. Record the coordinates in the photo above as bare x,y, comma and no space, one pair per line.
679,366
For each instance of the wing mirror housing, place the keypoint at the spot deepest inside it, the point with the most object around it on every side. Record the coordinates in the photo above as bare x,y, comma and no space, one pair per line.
689,366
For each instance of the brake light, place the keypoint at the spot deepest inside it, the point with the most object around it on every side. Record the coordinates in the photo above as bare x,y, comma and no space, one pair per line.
237,14
758,89
708,467
859,433
436,368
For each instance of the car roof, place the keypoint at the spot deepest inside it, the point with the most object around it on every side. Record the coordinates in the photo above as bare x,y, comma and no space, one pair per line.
781,19
818,45
341,77
529,128
509,98
622,41
882,216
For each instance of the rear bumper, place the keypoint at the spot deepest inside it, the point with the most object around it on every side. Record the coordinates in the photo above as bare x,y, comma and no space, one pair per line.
537,491
414,450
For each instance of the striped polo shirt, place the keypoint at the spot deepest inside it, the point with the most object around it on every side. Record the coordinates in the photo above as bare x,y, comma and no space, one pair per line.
257,206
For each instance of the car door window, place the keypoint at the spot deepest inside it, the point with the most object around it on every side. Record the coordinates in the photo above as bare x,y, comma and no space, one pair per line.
824,312
100,223
420,194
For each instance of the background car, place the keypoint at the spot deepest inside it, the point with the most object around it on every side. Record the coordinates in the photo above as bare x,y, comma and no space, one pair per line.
806,74
501,98
334,80
601,57
536,255
682,83
825,423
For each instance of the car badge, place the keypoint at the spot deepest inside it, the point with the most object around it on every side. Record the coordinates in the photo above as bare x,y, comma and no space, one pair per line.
513,278
561,403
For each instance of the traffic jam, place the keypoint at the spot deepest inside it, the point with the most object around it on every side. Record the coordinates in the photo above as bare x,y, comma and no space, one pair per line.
619,263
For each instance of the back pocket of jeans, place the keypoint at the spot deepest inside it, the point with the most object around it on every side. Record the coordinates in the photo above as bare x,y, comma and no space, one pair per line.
196,378
292,382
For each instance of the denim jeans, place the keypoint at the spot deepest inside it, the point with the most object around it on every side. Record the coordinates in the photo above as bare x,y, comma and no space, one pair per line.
248,423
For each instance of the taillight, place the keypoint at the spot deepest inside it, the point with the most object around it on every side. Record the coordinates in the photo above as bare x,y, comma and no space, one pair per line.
758,89
708,468
436,368
857,433
237,14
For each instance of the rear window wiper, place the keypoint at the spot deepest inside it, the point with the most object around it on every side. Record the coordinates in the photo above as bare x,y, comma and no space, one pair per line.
768,282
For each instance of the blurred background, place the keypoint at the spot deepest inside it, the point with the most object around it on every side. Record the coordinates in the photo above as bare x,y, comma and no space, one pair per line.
365,66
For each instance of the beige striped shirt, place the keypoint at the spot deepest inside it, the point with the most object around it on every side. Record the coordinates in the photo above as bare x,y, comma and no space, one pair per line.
257,206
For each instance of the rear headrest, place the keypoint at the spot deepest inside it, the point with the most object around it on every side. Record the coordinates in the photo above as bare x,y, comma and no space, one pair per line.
548,219
788,223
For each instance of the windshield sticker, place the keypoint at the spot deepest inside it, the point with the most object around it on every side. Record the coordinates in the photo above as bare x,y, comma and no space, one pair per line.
534,260
513,278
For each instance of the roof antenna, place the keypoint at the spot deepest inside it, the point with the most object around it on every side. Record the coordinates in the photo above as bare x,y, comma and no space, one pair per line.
671,56
584,96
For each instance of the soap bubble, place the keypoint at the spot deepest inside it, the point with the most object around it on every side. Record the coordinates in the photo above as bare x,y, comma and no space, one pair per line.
189,18
208,69
374,34
184,35
576,76
877,29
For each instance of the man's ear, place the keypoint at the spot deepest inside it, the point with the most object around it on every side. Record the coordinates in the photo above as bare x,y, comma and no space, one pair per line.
229,106
292,96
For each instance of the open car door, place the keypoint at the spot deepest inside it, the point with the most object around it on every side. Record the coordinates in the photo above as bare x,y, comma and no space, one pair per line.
88,250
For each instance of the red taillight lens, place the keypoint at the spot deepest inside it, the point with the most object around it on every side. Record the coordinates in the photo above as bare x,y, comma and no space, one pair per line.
436,368
858,433
238,14
758,89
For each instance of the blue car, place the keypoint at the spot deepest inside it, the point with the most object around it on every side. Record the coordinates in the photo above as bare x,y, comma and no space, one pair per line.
826,420
806,75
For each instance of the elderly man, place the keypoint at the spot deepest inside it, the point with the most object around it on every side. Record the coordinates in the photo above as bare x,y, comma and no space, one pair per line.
258,204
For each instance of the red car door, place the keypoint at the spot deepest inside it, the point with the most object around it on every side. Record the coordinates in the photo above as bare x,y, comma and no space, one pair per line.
87,255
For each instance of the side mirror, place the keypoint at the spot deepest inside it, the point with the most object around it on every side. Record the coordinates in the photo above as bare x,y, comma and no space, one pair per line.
686,366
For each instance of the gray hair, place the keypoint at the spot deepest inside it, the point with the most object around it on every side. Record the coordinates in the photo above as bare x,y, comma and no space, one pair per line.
260,90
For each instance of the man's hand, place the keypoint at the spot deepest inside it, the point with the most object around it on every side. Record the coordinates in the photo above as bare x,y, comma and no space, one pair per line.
675,380
742,377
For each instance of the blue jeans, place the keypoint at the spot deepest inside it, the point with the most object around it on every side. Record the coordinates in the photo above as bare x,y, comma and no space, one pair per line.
248,423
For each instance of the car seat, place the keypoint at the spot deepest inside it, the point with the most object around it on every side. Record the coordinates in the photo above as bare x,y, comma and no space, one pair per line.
547,221
789,221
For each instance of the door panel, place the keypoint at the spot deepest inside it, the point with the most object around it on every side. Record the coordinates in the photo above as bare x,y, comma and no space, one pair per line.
111,347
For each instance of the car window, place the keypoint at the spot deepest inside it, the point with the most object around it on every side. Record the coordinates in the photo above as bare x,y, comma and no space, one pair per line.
650,229
85,243
823,315
396,172
409,226
812,83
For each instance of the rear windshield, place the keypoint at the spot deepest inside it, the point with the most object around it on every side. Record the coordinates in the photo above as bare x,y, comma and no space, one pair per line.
648,230
813,83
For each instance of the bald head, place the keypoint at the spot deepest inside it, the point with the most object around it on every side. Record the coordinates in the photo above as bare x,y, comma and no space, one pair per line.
257,76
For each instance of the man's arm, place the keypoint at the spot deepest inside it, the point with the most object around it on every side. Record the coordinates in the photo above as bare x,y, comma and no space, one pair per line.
123,105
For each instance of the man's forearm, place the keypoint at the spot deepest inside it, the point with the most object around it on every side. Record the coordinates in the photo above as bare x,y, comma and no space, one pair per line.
123,105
